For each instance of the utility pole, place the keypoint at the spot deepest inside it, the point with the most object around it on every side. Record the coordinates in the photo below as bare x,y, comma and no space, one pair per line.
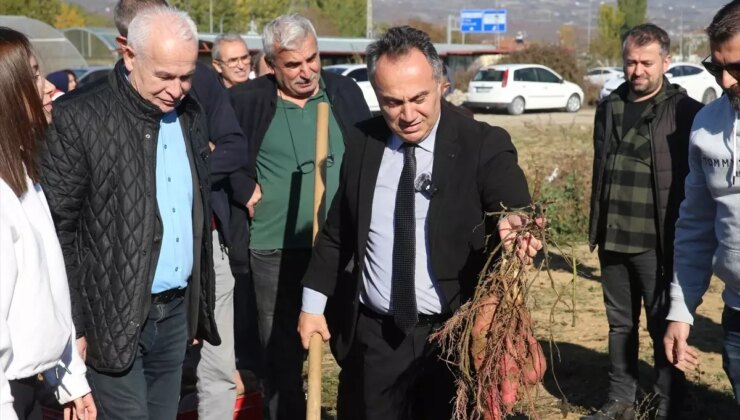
210,16
680,28
369,21
498,34
588,36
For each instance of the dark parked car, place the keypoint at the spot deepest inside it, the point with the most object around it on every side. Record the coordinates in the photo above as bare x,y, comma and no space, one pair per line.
87,75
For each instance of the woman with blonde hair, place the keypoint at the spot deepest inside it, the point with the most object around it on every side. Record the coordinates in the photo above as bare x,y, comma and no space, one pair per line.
37,336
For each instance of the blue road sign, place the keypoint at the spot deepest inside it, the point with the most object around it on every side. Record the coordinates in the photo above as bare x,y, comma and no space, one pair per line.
483,20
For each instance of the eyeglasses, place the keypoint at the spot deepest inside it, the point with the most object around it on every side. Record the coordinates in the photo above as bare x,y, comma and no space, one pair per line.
233,62
309,166
733,69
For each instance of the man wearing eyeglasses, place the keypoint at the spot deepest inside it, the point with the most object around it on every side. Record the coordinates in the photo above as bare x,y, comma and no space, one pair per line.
278,114
641,134
231,59
708,227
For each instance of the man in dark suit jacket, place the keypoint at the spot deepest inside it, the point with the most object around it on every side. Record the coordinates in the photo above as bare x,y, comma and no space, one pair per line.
410,216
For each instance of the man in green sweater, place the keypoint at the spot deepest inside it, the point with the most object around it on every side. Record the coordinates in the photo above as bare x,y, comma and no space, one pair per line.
278,116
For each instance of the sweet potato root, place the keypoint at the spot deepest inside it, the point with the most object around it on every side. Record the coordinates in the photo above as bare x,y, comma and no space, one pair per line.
490,342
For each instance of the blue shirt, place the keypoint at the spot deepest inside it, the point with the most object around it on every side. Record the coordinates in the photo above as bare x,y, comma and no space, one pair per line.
378,264
175,202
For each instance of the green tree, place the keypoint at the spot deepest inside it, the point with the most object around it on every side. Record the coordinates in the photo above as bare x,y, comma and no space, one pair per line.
567,36
43,10
330,17
99,20
634,13
349,16
259,11
322,21
607,46
70,16
225,16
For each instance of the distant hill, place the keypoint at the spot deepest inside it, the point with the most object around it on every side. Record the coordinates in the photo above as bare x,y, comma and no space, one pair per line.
539,19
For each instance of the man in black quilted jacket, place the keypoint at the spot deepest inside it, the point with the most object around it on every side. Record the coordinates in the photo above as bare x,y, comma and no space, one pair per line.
127,178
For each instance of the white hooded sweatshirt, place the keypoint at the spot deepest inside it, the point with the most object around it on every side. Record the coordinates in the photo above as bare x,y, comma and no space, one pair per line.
708,228
36,330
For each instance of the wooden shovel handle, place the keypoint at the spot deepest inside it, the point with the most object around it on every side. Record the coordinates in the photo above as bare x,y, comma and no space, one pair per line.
313,403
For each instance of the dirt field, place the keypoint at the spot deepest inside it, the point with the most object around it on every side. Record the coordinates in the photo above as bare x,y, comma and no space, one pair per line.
575,337
583,117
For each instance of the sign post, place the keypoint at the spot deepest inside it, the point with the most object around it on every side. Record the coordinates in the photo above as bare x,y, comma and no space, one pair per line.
478,21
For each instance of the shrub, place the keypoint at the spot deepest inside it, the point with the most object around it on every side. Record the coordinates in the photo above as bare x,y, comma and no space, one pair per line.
591,93
566,200
557,160
463,78
557,58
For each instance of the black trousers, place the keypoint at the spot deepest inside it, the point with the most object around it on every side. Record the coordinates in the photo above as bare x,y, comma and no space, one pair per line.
277,277
629,280
25,403
392,376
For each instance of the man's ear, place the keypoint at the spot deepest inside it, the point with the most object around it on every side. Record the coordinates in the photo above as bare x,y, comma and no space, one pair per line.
122,42
217,66
129,57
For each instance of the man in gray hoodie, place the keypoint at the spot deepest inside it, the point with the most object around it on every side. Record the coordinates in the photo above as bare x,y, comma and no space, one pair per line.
708,228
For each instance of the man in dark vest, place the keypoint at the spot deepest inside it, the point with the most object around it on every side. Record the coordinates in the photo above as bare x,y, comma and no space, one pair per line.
641,134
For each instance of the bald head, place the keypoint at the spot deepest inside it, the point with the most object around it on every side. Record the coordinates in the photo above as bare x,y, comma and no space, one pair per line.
160,24
160,55
125,11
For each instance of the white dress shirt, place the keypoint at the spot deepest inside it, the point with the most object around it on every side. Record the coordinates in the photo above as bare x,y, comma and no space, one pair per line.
378,263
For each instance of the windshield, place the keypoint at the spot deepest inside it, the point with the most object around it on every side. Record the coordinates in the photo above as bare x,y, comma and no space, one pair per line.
335,70
489,75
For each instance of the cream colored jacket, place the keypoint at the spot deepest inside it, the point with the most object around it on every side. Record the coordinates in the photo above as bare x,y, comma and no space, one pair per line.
36,330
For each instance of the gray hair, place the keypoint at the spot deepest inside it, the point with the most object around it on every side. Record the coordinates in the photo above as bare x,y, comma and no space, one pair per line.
228,37
176,21
125,11
399,41
285,32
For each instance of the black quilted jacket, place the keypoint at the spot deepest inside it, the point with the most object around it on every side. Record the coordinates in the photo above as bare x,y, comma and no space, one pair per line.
99,178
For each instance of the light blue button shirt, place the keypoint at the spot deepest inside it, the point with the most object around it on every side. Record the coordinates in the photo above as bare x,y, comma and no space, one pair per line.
378,264
175,202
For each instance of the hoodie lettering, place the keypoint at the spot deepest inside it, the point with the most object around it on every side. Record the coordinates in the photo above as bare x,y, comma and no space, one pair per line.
718,163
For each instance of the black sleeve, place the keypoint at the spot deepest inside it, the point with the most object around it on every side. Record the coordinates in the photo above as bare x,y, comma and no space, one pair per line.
231,156
687,108
599,142
501,179
66,180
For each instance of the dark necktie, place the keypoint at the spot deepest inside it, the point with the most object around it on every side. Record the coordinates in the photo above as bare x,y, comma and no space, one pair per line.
403,293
